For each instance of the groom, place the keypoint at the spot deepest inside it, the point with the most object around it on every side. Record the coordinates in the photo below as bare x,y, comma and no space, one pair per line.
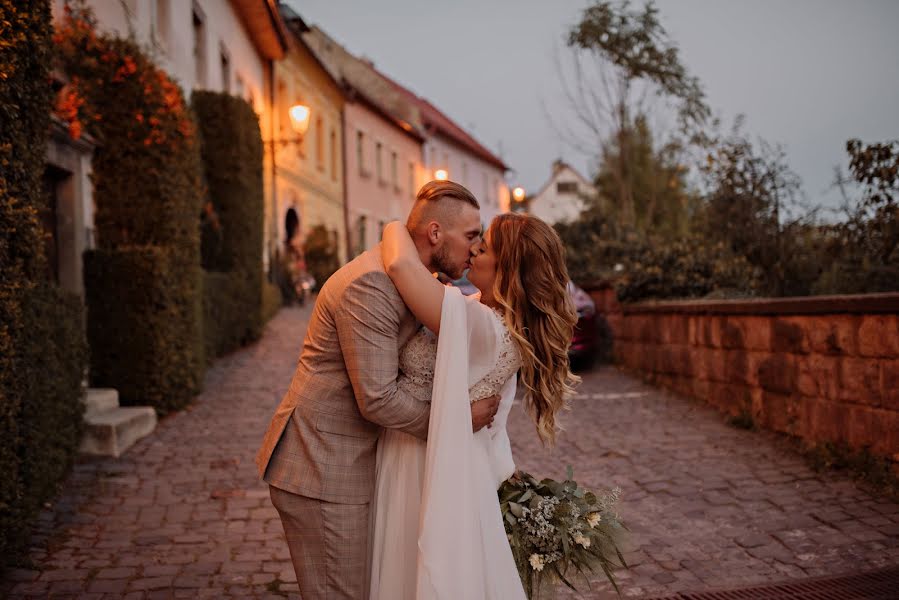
318,455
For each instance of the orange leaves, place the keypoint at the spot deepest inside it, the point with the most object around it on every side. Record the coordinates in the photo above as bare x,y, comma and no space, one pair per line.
69,105
120,91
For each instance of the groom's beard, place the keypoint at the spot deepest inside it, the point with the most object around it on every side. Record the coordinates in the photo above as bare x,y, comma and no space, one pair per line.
443,264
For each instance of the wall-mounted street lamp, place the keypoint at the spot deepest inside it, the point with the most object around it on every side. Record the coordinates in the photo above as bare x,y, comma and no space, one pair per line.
441,175
299,121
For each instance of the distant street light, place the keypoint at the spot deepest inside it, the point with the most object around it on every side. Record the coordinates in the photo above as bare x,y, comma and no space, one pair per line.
441,175
518,194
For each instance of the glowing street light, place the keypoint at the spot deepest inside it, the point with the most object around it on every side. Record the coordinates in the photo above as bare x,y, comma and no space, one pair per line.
441,175
299,118
518,194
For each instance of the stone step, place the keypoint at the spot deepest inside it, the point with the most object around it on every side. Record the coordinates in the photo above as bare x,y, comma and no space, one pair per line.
101,399
111,432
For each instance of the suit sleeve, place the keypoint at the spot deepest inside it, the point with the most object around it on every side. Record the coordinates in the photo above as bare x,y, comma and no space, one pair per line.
368,330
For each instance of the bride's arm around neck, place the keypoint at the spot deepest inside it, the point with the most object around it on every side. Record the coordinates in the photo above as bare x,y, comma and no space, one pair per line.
421,292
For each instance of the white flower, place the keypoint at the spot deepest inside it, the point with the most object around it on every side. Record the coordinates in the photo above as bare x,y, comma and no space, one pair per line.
593,519
536,562
580,538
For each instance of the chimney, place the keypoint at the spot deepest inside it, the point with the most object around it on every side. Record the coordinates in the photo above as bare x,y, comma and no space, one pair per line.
558,165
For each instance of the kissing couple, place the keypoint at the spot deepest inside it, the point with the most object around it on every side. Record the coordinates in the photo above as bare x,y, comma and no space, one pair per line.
385,455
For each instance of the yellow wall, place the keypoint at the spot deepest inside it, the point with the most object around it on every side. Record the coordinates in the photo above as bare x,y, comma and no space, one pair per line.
309,176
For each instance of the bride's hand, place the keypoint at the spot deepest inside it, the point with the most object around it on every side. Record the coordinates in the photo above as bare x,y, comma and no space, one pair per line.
396,245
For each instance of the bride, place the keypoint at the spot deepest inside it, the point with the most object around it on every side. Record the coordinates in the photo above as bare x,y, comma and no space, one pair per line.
437,528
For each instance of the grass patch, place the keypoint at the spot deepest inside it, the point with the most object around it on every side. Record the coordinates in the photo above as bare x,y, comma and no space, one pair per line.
872,471
274,586
743,420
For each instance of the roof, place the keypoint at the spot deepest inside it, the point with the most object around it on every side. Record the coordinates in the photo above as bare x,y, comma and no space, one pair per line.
297,27
263,22
407,109
558,167
361,82
435,121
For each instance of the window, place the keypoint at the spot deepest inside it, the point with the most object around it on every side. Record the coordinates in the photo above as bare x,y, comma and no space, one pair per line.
394,172
225,61
320,144
361,225
333,154
381,225
360,153
412,191
162,24
379,166
566,187
199,29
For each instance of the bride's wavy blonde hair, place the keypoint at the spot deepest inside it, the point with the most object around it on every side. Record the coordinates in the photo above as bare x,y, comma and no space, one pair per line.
531,285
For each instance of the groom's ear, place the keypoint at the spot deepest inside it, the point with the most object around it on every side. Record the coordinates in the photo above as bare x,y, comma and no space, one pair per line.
434,233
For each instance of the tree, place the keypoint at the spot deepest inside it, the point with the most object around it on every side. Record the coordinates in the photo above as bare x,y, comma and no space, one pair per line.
863,250
621,58
662,205
753,205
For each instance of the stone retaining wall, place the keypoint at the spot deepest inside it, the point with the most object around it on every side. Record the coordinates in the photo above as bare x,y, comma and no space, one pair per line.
820,368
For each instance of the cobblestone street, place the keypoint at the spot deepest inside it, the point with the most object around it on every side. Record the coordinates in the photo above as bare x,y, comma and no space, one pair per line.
184,515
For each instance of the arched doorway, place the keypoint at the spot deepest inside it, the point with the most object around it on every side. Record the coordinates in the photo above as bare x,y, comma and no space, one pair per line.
291,224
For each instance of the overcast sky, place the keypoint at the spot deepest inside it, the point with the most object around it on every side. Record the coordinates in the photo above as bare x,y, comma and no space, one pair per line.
808,74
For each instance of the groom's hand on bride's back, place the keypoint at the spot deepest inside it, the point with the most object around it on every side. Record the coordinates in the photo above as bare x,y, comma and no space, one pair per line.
483,411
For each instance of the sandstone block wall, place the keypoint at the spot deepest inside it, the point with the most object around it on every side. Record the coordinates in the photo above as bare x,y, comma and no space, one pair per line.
822,368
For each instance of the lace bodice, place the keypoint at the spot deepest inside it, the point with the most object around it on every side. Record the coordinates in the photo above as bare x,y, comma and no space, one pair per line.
419,356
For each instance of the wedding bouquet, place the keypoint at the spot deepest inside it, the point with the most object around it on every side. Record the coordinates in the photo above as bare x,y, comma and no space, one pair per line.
559,530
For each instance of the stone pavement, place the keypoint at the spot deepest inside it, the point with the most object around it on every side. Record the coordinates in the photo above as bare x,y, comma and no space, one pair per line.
183,515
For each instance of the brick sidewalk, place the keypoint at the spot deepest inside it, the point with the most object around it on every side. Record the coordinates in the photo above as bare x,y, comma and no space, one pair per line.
183,515
708,505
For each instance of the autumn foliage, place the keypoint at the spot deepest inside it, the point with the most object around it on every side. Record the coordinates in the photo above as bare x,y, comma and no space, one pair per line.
143,280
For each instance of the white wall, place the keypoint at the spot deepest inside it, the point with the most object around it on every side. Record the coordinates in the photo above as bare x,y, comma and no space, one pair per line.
554,206
166,28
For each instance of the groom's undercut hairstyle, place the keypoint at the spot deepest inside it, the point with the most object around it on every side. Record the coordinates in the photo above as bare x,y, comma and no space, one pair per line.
439,201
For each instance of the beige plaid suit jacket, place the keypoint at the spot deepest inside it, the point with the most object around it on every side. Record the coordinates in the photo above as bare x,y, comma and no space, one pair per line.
322,440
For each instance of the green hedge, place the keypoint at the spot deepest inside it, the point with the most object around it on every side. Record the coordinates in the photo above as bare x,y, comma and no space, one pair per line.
42,349
142,335
144,282
231,150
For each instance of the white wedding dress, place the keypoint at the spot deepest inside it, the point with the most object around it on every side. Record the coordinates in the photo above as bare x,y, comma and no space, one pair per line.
437,530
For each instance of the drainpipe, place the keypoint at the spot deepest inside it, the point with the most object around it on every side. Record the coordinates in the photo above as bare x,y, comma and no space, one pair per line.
272,268
346,208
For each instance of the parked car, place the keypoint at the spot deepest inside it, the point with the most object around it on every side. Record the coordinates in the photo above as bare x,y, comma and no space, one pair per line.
585,342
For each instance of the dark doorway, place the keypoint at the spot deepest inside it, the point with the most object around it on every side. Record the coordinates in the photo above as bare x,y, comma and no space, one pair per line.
49,218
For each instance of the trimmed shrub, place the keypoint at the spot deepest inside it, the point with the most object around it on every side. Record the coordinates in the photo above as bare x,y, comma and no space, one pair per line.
231,150
51,417
148,193
142,335
41,340
687,268
271,301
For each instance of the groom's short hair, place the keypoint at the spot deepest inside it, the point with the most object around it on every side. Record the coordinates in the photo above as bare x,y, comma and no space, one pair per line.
436,200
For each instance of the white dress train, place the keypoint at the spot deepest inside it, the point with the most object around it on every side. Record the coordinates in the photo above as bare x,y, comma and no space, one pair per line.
437,530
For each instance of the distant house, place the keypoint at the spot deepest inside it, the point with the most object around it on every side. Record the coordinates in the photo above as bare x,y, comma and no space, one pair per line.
309,178
396,142
561,199
220,45
382,140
